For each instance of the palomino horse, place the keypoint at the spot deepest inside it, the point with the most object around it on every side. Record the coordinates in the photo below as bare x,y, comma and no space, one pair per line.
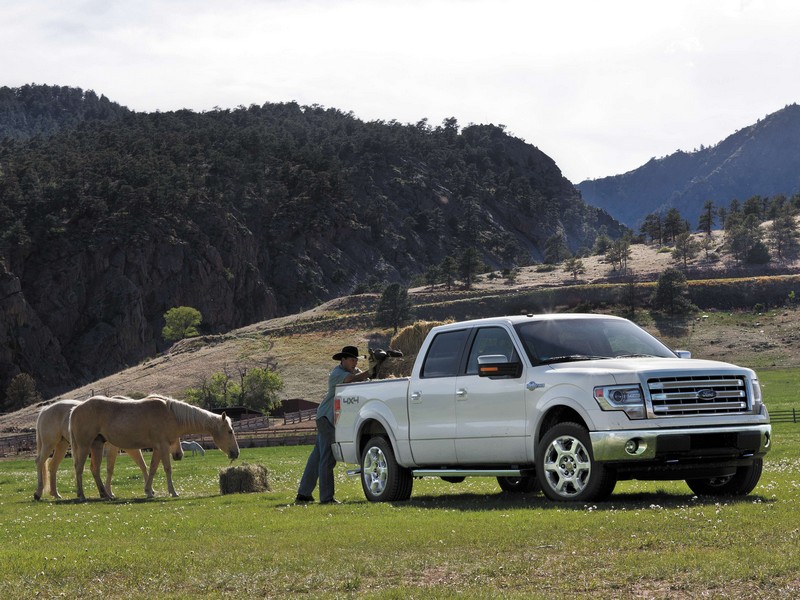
52,436
155,422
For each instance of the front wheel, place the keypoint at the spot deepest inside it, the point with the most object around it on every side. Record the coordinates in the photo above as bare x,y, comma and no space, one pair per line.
740,483
382,479
566,467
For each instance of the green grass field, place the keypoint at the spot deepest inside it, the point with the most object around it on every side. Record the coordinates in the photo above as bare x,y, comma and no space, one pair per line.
650,540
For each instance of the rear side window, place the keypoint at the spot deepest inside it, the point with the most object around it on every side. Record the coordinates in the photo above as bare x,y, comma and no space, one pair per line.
444,354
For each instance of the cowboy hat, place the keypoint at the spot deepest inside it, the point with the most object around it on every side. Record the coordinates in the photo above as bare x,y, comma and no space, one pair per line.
347,352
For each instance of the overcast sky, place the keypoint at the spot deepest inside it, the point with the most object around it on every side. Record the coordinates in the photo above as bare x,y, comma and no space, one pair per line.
601,86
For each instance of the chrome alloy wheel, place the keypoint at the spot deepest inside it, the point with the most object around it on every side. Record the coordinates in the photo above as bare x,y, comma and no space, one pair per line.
375,470
567,466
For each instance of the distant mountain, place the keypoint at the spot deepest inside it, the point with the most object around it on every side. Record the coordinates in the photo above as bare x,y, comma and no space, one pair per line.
109,219
760,160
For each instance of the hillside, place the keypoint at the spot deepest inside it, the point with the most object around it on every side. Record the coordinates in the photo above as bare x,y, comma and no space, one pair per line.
760,160
246,215
299,347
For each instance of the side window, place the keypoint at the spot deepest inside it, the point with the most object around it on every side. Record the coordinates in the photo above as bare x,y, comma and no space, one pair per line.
444,354
490,340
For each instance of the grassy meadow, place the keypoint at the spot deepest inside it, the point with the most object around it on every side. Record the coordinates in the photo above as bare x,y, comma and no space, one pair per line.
650,540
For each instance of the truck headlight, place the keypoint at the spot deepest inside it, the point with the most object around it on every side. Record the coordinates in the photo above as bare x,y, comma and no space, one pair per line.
621,397
756,395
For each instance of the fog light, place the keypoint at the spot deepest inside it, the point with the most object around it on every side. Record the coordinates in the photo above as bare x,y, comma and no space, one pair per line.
767,440
631,446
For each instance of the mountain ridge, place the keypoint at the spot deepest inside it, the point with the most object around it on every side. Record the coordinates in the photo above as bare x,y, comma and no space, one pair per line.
762,159
109,219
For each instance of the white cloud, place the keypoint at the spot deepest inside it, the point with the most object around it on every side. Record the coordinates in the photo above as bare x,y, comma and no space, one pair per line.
599,86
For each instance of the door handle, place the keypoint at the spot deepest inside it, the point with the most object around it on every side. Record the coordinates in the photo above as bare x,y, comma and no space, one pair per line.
416,397
461,394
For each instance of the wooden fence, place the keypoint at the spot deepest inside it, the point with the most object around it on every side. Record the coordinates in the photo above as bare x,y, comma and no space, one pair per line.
251,433
785,416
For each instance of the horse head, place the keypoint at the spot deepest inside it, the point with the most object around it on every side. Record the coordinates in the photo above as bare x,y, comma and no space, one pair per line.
176,450
224,437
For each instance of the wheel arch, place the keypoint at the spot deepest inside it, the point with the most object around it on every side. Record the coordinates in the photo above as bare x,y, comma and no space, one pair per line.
370,428
554,415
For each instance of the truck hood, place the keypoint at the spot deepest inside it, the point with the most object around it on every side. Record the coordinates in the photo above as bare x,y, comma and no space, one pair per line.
620,367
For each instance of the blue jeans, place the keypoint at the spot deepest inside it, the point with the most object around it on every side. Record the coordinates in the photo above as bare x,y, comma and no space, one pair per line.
320,464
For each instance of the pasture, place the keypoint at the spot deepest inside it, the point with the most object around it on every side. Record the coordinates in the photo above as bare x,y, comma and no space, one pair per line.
650,540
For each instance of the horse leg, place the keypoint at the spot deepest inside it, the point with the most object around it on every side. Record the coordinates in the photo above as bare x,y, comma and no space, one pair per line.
52,465
137,457
97,457
42,453
111,459
148,482
79,456
168,468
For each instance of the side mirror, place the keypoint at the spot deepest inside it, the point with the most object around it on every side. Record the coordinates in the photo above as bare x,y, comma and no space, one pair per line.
497,365
683,354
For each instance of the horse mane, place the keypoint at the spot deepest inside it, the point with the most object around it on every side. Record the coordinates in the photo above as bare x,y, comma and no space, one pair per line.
186,414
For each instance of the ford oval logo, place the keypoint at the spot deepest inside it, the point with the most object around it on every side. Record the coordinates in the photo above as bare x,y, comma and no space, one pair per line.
706,394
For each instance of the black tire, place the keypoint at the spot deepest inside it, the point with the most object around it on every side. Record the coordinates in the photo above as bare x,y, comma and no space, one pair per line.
566,468
740,483
382,479
519,485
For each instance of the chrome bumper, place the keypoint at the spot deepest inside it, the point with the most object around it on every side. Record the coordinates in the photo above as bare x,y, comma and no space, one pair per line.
652,444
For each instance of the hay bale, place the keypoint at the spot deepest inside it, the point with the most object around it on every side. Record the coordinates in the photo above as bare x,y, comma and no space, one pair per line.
243,479
408,340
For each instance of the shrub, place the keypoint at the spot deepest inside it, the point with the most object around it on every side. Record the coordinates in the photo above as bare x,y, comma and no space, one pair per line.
180,323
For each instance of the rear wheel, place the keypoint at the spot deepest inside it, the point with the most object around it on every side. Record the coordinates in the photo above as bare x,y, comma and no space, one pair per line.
519,485
566,468
740,483
382,479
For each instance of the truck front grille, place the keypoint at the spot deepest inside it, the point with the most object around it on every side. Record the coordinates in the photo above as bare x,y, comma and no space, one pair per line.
698,395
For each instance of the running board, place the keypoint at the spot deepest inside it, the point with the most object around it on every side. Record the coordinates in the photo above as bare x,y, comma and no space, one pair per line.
460,472
471,472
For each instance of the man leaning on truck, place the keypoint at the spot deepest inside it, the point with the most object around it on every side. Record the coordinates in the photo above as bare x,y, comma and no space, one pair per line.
321,461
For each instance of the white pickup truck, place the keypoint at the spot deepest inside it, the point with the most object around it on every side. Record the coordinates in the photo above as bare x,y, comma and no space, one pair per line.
572,403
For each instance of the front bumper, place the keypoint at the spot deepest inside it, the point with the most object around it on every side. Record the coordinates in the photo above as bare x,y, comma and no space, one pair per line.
668,445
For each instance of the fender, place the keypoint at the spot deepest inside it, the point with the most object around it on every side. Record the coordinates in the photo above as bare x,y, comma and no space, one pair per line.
396,432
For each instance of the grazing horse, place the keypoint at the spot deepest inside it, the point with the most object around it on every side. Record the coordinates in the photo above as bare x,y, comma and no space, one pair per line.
194,447
52,436
155,422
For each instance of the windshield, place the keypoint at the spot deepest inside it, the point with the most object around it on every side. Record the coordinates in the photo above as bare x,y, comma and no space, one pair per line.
561,340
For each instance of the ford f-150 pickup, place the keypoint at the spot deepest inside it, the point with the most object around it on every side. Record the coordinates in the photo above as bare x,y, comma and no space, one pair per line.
569,403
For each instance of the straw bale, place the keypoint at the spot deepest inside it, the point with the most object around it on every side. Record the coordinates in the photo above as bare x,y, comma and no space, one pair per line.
243,479
408,340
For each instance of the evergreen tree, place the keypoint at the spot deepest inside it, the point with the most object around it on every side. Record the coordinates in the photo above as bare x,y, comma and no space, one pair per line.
706,222
555,250
783,235
686,248
653,227
21,392
469,266
575,266
394,308
674,224
672,293
447,272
